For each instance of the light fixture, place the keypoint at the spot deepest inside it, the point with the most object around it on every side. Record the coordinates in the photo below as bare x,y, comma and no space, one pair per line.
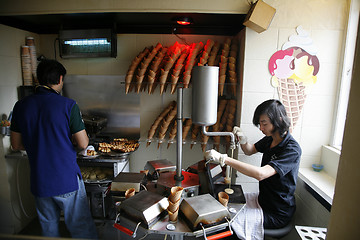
87,43
184,21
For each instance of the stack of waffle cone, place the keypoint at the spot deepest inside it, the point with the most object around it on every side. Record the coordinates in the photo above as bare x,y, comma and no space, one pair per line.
174,203
293,96
223,65
165,124
131,71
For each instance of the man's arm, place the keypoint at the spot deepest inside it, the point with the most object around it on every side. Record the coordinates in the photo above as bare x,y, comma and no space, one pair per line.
81,139
16,141
259,173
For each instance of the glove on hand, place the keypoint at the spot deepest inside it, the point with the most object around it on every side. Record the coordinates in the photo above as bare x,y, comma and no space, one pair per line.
216,157
240,135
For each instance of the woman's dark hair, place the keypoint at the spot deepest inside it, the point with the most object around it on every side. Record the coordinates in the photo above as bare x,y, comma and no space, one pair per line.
276,112
49,71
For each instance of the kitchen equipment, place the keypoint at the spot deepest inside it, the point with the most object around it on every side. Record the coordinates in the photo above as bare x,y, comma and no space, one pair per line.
204,104
204,97
98,193
203,210
100,200
145,207
190,183
126,180
94,124
156,167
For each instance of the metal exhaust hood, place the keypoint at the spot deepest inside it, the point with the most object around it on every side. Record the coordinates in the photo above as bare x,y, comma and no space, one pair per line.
227,24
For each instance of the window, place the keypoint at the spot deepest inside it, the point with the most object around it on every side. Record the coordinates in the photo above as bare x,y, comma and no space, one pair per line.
345,82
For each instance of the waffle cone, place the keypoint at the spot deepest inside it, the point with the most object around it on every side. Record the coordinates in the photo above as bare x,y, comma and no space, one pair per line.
175,194
173,216
173,206
223,198
129,192
293,96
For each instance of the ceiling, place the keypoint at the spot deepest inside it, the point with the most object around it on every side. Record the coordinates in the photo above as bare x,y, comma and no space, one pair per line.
141,23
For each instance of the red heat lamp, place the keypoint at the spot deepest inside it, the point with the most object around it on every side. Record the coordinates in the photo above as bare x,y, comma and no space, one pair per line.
184,21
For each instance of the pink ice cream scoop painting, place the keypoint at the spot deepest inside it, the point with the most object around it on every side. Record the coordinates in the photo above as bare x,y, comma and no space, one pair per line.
294,69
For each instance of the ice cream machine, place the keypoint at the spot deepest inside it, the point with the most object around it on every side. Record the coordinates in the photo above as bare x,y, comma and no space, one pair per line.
204,110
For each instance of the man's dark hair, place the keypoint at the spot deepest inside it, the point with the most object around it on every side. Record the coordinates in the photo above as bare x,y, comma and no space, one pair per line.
49,72
276,112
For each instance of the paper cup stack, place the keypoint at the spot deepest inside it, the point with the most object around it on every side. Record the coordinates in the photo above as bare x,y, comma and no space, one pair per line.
174,202
31,43
26,66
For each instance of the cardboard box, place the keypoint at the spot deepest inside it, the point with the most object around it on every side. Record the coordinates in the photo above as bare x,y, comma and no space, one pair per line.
260,16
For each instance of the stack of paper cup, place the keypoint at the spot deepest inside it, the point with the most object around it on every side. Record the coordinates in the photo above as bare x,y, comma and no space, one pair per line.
26,66
31,43
174,202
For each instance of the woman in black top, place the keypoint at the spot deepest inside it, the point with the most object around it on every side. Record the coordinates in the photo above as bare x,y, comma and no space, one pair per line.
279,167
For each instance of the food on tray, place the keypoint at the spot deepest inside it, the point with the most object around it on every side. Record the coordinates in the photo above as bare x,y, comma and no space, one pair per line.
119,145
96,173
90,152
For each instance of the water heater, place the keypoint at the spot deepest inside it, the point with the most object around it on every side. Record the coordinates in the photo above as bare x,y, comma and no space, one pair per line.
205,81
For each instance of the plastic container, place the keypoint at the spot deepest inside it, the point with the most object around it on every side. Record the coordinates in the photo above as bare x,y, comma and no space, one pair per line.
317,167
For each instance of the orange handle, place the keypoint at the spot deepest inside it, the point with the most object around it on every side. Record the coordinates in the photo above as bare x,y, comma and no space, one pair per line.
220,235
123,229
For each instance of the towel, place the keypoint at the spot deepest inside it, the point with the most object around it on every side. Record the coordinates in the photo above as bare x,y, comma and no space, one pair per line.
248,224
84,152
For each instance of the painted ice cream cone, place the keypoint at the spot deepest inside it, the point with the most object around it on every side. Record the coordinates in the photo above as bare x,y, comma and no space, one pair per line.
293,97
294,71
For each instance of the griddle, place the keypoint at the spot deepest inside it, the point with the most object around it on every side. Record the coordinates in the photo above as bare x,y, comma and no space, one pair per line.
145,207
203,211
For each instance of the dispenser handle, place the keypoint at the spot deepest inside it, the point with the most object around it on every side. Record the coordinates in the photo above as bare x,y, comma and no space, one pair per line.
219,235
126,230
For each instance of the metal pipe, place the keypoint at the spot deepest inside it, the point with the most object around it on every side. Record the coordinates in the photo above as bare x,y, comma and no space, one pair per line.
178,176
212,134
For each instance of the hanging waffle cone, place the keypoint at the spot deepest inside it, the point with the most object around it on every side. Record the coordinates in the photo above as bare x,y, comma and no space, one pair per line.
293,96
194,132
172,133
175,194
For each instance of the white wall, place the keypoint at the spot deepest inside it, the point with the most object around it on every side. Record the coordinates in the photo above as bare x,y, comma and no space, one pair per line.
12,219
314,126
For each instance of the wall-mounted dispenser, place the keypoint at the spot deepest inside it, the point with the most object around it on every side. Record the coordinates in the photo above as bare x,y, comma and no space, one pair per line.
87,43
